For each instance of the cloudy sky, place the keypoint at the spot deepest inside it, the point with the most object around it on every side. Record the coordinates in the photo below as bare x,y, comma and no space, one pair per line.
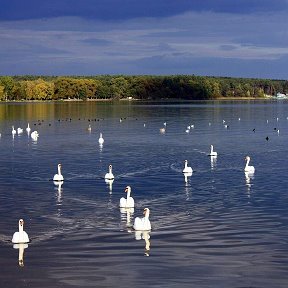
234,38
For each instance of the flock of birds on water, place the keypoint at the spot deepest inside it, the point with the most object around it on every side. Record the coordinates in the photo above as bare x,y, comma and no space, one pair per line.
143,224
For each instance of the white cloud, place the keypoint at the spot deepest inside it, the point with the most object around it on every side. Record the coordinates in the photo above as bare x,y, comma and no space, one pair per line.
72,39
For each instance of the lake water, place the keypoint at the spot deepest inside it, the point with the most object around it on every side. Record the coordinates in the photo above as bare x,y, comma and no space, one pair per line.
215,228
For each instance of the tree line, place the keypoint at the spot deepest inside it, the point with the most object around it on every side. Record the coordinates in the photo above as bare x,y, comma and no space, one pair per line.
185,87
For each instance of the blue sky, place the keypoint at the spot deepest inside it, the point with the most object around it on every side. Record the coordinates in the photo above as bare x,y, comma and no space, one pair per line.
233,38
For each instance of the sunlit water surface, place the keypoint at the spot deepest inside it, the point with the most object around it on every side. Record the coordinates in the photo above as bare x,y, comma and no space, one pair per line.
215,228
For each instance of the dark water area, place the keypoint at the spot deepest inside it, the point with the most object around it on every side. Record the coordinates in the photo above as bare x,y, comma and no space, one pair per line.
219,227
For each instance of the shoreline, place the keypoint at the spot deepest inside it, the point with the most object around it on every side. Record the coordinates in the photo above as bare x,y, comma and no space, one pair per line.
147,100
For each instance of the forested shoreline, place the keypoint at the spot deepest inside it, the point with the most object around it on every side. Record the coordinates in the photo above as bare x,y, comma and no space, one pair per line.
117,87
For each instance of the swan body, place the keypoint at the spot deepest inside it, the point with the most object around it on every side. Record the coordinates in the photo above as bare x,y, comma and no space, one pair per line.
28,129
19,130
143,224
21,236
101,139
212,152
109,175
187,169
34,135
13,130
249,169
127,202
162,130
58,176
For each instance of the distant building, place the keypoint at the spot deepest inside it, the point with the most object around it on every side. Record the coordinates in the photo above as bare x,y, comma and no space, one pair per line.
281,95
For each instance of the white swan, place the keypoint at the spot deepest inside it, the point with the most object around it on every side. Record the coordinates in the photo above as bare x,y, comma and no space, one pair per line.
21,236
89,129
13,130
101,139
249,169
28,129
109,175
187,169
143,224
19,130
59,176
127,202
212,152
162,130
35,135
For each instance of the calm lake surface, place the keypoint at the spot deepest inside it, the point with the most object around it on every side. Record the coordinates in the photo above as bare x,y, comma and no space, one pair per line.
216,228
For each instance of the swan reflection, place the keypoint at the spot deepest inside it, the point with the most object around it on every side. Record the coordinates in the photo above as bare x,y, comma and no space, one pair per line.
187,184
126,215
145,235
109,183
21,247
186,177
58,186
213,160
248,178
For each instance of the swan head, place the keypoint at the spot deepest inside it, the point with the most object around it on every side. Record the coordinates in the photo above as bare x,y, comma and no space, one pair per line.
146,211
128,189
247,158
21,222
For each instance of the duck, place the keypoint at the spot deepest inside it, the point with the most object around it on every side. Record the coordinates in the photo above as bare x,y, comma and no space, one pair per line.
212,152
109,175
20,236
143,224
187,169
127,202
101,139
249,169
59,176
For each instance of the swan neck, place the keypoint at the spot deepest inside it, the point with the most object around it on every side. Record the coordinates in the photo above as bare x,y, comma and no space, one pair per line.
247,162
128,193
21,228
59,170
